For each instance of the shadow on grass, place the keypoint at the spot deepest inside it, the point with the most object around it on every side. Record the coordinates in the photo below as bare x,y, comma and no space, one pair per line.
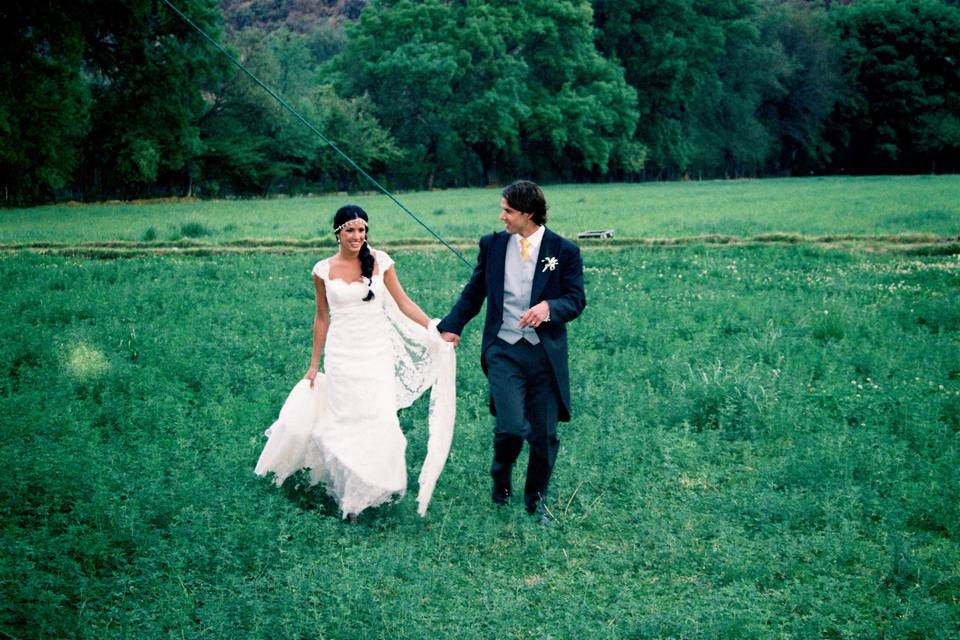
300,493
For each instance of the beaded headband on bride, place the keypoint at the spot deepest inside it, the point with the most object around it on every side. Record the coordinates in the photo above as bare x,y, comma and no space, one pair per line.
349,222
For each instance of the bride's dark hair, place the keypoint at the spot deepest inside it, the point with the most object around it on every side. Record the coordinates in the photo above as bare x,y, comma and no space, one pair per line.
345,214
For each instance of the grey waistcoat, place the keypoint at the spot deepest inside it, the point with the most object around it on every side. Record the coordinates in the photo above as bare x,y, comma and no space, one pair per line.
517,284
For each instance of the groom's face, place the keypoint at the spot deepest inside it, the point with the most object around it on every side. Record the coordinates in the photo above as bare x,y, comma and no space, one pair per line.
516,221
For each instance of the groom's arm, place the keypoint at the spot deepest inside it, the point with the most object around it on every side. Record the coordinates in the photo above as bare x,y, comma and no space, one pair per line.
472,297
572,300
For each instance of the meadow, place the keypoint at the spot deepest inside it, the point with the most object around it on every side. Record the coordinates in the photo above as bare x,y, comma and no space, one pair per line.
743,208
764,445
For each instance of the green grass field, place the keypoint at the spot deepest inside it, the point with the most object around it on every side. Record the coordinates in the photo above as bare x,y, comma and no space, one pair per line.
765,444
809,206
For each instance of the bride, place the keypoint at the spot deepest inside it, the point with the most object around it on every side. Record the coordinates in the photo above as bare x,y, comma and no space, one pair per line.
380,352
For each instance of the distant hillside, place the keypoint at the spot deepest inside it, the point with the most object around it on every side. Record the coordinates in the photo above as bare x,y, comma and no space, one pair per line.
300,16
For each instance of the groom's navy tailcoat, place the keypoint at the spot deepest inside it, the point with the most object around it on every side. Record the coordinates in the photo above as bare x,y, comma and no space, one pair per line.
561,287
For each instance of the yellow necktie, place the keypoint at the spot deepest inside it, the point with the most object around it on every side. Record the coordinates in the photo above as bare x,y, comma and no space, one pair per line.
524,249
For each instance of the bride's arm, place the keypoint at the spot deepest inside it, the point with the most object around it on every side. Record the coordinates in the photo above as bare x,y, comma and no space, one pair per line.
321,322
407,306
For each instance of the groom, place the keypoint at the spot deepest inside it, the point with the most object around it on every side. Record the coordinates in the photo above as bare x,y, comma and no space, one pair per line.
532,281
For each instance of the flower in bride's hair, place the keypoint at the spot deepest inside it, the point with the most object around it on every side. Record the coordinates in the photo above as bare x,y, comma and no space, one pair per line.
550,263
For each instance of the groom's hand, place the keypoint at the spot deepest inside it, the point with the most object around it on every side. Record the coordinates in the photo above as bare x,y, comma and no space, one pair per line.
450,337
535,315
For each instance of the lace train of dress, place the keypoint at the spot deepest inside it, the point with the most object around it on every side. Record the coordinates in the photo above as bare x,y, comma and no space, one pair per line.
345,428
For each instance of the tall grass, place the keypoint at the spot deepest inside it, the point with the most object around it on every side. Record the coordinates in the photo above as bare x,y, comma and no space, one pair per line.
811,206
765,444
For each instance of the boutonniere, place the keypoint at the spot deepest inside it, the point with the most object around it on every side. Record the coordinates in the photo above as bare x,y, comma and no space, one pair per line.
550,263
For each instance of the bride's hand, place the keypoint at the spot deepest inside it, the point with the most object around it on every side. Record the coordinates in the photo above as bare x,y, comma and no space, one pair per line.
452,338
311,375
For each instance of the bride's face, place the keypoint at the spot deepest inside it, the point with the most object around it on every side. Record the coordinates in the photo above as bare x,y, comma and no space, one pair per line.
353,235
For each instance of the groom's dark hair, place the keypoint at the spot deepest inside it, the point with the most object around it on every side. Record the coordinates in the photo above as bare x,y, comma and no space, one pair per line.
527,197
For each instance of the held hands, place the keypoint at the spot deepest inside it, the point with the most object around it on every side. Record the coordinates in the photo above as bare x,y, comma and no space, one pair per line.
535,315
452,338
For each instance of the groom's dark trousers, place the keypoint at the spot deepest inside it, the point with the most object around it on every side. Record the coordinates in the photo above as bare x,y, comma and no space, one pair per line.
524,391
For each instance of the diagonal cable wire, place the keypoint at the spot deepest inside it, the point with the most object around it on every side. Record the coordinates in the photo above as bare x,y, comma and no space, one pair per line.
314,129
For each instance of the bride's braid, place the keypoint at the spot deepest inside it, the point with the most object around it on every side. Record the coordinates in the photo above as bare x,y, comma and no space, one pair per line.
344,215
366,268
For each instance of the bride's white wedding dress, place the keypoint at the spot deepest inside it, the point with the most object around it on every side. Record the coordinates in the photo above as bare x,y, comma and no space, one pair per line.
345,428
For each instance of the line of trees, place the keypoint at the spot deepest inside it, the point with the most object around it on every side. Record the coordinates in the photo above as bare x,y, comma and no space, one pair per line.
120,98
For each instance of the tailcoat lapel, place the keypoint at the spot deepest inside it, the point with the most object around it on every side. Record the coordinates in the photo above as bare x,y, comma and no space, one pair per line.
548,248
498,257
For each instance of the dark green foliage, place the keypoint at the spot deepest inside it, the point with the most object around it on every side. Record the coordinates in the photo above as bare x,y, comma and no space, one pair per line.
806,89
105,100
674,54
44,101
901,65
727,473
253,145
101,98
149,73
472,91
725,88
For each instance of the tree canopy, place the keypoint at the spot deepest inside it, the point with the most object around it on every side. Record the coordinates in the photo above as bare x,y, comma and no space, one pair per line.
123,99
479,87
901,61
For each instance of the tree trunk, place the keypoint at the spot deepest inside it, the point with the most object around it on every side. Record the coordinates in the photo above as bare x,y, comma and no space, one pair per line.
488,164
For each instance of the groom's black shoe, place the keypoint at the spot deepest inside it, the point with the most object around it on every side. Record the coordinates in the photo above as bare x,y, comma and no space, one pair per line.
540,512
500,494
533,502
